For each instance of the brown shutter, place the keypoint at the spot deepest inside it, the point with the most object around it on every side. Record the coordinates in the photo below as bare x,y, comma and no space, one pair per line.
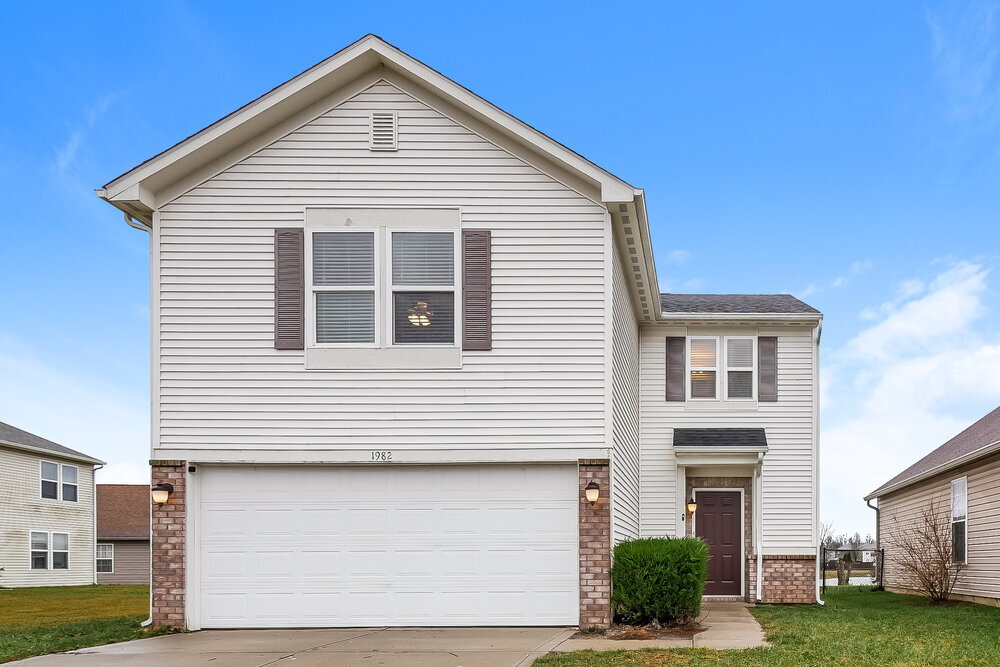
675,368
289,289
477,290
767,368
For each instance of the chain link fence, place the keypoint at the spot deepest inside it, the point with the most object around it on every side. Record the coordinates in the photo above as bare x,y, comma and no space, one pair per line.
852,567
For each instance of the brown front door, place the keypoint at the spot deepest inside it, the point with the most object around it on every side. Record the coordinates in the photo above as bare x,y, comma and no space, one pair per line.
717,521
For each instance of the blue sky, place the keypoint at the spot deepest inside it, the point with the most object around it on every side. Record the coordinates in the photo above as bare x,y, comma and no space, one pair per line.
848,153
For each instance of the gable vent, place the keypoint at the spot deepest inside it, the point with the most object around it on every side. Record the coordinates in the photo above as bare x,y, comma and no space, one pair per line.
383,131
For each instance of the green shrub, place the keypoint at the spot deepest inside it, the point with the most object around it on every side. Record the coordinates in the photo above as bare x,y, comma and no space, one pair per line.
658,579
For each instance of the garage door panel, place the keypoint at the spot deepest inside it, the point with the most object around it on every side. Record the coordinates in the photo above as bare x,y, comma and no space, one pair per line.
383,545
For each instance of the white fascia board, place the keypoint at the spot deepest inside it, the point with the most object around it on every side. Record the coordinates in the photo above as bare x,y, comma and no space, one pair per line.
780,318
937,470
83,458
340,69
701,456
365,456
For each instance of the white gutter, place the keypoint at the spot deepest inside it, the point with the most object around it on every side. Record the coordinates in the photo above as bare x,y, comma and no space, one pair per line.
79,458
136,224
944,467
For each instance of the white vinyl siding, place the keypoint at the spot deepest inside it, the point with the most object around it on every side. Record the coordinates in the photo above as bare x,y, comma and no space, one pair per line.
23,511
221,385
788,499
625,410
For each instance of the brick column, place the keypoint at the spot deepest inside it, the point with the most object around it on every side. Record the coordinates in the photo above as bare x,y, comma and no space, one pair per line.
168,537
789,579
595,546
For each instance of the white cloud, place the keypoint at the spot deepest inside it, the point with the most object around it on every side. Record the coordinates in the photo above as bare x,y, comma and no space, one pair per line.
83,413
678,257
905,385
66,154
858,267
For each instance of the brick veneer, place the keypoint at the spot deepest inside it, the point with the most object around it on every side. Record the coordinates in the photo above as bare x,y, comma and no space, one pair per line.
789,579
745,483
595,546
168,567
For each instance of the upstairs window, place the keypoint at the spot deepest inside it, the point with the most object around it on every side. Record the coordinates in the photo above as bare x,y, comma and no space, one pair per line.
59,482
959,520
704,367
380,287
740,365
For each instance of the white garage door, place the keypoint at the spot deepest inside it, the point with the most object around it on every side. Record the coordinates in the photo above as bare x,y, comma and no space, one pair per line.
315,546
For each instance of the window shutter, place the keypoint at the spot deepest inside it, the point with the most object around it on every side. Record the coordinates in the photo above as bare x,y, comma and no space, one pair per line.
477,290
289,289
675,368
767,368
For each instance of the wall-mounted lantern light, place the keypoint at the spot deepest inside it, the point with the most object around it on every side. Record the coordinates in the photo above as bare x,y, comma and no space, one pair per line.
593,492
161,492
692,506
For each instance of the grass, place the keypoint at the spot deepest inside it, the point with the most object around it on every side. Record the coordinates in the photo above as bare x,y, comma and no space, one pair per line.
36,621
855,627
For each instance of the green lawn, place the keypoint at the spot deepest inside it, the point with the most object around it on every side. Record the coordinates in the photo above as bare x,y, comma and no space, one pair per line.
855,627
36,621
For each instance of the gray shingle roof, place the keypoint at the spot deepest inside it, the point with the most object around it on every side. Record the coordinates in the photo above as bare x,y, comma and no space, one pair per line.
733,303
719,437
984,432
10,435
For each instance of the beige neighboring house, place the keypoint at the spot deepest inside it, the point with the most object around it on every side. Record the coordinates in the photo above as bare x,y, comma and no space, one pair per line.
961,478
46,512
122,534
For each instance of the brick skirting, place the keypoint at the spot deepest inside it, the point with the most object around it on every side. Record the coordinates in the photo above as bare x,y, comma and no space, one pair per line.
168,567
789,579
595,546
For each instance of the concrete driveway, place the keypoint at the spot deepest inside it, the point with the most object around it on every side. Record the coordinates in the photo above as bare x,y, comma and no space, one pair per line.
372,647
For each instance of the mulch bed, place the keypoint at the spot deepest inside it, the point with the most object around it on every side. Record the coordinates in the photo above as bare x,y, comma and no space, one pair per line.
642,632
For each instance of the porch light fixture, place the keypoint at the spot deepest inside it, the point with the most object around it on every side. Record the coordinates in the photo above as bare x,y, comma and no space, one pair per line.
593,492
692,506
419,315
161,492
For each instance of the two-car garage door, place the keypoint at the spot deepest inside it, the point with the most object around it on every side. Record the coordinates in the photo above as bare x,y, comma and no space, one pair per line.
324,546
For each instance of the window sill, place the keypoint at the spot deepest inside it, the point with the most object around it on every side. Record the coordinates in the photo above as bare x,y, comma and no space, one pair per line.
710,405
387,358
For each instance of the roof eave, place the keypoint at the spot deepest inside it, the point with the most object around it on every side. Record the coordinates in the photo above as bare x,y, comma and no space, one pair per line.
937,470
777,317
57,455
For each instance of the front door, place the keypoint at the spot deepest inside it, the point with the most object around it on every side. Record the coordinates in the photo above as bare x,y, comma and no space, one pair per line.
717,521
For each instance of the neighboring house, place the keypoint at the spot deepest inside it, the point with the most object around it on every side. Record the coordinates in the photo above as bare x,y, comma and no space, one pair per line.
960,483
46,512
398,333
122,534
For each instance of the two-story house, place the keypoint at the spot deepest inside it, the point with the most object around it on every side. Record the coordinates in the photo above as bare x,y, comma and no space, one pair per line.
46,512
411,366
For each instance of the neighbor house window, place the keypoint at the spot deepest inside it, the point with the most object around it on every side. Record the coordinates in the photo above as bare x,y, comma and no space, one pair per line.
381,287
49,551
59,482
704,367
959,520
740,367
106,558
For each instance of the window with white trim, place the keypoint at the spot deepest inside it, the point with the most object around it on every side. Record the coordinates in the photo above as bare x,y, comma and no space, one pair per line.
381,287
49,551
740,367
959,520
106,558
59,481
703,367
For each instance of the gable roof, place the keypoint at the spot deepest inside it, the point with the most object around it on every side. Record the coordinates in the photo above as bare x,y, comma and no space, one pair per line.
980,439
140,190
122,511
734,304
19,439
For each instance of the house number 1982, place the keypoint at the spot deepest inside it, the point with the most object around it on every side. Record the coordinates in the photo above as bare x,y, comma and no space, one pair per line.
381,456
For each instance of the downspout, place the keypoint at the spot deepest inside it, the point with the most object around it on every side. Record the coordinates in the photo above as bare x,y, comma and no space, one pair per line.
137,224
93,481
878,525
758,523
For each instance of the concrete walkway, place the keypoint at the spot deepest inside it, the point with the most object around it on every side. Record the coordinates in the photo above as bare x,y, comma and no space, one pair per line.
371,647
729,625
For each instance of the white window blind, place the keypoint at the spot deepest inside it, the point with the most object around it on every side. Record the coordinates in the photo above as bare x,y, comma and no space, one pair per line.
106,558
344,258
704,354
343,272
345,317
739,367
423,258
